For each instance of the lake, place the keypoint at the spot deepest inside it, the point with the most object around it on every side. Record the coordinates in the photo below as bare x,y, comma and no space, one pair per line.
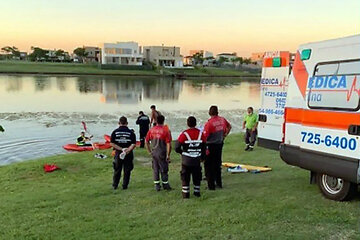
42,113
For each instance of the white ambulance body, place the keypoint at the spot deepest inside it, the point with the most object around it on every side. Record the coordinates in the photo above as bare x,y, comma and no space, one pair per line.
273,90
321,123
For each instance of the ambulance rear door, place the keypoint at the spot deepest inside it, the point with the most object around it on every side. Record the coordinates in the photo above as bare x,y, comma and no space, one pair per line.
273,86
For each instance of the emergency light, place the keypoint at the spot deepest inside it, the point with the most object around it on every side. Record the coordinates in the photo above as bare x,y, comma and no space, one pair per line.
305,54
276,62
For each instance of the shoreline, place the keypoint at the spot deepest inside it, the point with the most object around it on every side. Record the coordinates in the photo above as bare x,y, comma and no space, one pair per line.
125,74
69,69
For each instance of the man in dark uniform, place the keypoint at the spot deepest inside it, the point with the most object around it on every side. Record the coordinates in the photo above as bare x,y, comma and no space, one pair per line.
160,139
191,145
215,130
144,123
123,140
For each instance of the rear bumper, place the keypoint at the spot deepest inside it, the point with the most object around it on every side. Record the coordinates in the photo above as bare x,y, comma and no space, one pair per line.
342,167
269,144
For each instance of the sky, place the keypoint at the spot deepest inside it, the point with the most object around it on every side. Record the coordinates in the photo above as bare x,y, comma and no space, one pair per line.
240,26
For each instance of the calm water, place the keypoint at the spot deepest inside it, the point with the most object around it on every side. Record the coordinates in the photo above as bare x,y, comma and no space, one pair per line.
42,113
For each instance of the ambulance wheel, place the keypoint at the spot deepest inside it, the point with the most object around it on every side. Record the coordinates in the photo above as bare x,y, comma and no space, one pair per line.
335,188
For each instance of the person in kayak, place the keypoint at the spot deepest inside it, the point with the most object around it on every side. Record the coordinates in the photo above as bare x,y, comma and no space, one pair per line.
154,115
82,140
144,124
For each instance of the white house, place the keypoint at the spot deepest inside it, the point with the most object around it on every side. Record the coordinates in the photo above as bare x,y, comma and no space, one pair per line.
121,53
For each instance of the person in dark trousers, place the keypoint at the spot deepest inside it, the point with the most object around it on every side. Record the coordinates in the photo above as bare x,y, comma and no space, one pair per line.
82,140
250,123
191,146
123,140
154,114
215,130
144,124
158,144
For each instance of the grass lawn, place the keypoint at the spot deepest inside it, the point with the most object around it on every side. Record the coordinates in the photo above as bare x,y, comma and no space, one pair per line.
77,202
73,68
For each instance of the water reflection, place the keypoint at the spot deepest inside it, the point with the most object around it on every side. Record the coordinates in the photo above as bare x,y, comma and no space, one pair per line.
45,93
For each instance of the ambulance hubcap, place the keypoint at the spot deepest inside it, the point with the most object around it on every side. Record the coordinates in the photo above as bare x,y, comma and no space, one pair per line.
332,185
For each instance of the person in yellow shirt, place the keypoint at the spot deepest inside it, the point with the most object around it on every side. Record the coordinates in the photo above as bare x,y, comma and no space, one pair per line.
250,123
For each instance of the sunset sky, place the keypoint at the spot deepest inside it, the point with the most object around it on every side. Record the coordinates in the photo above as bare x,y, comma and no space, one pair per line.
240,26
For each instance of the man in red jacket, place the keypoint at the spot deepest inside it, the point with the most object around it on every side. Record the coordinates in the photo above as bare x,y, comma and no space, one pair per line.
215,131
160,139
191,146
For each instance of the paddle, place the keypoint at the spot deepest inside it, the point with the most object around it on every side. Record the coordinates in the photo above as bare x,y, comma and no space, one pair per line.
86,130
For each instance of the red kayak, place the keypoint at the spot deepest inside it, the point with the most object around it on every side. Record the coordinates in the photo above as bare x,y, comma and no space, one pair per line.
108,138
77,148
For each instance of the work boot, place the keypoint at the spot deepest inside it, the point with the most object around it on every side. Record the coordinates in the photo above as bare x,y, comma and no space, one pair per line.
166,186
197,191
157,187
185,195
247,148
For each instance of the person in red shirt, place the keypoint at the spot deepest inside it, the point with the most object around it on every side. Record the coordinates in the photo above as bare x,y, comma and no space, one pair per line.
215,131
191,146
158,144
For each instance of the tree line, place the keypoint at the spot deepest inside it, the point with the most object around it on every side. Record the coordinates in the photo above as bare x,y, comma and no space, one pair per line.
40,54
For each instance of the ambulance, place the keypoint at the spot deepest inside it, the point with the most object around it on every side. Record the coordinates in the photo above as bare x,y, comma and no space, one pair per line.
310,111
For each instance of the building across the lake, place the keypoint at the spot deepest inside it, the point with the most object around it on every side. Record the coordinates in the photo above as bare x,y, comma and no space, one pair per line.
121,53
93,54
163,56
257,57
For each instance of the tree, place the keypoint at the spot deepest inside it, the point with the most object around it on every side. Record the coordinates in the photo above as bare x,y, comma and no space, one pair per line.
38,54
247,61
12,51
81,53
222,60
198,58
60,53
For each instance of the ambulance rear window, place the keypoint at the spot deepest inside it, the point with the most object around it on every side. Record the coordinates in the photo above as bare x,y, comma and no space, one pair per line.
335,85
349,68
326,69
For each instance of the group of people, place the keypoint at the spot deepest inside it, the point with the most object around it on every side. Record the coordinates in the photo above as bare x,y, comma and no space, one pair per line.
195,145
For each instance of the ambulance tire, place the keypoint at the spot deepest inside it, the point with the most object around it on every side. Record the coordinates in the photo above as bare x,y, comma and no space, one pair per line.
336,188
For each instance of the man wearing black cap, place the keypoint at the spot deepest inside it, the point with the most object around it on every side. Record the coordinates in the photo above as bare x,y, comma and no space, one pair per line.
123,140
